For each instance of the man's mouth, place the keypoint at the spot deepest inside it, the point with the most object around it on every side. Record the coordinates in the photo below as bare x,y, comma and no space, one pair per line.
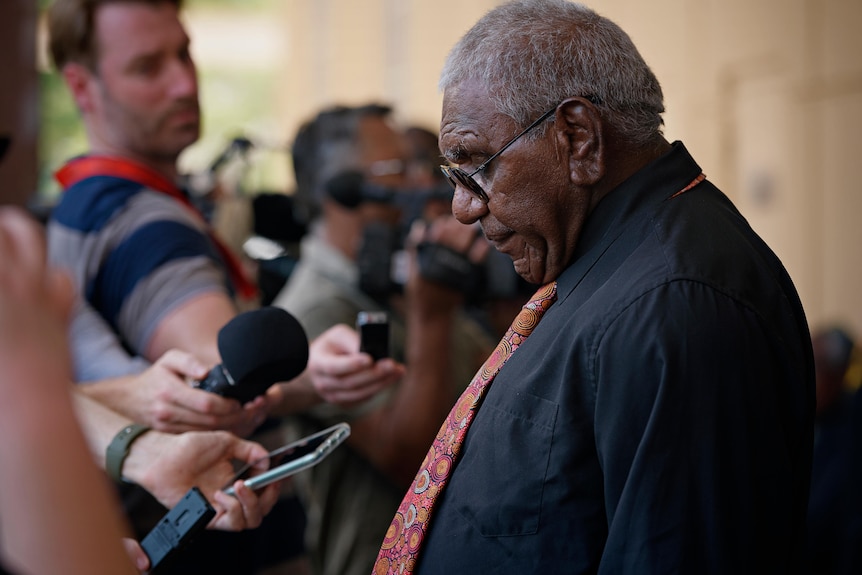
498,239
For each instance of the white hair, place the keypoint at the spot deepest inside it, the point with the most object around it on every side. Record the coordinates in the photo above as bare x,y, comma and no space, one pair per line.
533,54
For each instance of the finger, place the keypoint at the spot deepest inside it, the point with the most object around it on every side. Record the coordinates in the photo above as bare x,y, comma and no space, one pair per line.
342,365
136,554
249,452
268,497
177,418
25,237
274,396
183,364
230,516
203,402
338,339
247,506
355,395
362,384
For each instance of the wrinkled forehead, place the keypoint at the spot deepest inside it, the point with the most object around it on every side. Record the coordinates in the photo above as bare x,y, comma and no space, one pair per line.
462,102
470,120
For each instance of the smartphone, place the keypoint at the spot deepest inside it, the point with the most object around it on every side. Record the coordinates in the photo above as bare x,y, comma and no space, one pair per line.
293,457
373,328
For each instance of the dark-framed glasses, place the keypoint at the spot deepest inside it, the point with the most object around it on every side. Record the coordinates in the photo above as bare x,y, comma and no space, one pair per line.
458,176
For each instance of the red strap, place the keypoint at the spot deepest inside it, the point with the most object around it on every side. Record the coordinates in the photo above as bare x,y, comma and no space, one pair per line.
90,166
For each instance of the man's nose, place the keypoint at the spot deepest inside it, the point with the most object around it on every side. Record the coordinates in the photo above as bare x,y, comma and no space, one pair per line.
184,79
466,207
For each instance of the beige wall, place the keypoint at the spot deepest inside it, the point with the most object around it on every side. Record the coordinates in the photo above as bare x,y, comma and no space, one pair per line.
767,94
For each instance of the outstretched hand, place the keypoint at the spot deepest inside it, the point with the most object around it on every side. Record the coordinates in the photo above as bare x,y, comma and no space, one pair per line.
341,374
169,465
162,398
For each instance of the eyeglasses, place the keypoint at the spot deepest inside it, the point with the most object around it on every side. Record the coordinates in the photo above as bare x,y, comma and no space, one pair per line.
458,176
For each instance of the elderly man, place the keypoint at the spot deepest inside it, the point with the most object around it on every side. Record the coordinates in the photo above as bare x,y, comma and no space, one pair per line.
352,495
655,412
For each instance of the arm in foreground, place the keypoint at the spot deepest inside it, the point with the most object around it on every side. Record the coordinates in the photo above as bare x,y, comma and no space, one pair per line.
52,496
168,465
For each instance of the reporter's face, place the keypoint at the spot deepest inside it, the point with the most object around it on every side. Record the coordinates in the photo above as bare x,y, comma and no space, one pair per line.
145,99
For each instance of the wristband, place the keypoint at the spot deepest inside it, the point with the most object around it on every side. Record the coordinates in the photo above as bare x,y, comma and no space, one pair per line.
119,449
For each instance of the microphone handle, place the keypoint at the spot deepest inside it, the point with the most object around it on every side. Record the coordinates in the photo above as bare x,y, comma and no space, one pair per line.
218,381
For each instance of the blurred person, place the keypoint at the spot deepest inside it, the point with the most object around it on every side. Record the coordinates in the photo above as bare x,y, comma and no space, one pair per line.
831,544
422,171
151,274
651,408
352,494
833,352
46,475
56,513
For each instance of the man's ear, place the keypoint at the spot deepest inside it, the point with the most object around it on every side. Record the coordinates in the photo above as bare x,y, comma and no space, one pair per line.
80,81
580,132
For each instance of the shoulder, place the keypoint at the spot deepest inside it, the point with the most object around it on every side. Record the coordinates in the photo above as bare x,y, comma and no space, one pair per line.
89,204
94,204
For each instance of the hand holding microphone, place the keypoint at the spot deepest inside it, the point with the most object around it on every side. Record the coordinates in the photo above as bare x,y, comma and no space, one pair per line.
258,348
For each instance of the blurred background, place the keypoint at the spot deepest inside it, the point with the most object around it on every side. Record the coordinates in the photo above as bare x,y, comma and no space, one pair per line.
766,94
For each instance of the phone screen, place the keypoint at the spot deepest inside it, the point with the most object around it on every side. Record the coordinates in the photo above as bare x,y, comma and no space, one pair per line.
293,457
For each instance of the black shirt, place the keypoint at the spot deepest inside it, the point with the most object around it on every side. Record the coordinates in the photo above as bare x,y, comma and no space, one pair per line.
658,419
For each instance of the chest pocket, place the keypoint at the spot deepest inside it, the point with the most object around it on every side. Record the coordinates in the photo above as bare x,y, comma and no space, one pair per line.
500,486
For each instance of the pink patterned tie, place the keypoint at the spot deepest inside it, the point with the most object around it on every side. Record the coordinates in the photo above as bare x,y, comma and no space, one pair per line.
404,538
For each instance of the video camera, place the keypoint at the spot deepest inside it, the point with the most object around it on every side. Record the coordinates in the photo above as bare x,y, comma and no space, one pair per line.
382,258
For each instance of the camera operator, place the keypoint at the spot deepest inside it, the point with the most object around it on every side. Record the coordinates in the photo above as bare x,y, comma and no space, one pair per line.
350,172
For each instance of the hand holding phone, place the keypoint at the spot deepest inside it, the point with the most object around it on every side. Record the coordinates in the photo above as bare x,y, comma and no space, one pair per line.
293,457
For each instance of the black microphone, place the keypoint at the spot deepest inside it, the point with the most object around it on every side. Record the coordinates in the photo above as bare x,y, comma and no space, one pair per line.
258,348
350,189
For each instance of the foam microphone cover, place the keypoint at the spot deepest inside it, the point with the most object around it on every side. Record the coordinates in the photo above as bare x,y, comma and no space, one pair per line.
262,347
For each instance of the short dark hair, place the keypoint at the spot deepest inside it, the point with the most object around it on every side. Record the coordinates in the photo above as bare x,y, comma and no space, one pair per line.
71,29
324,147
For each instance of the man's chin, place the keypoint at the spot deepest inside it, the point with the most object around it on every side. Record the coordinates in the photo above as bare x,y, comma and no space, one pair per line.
184,138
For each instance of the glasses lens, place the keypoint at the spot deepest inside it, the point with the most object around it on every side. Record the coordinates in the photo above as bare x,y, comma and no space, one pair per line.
458,176
447,171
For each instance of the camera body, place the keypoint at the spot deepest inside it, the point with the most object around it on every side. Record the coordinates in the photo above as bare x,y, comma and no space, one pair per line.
382,261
